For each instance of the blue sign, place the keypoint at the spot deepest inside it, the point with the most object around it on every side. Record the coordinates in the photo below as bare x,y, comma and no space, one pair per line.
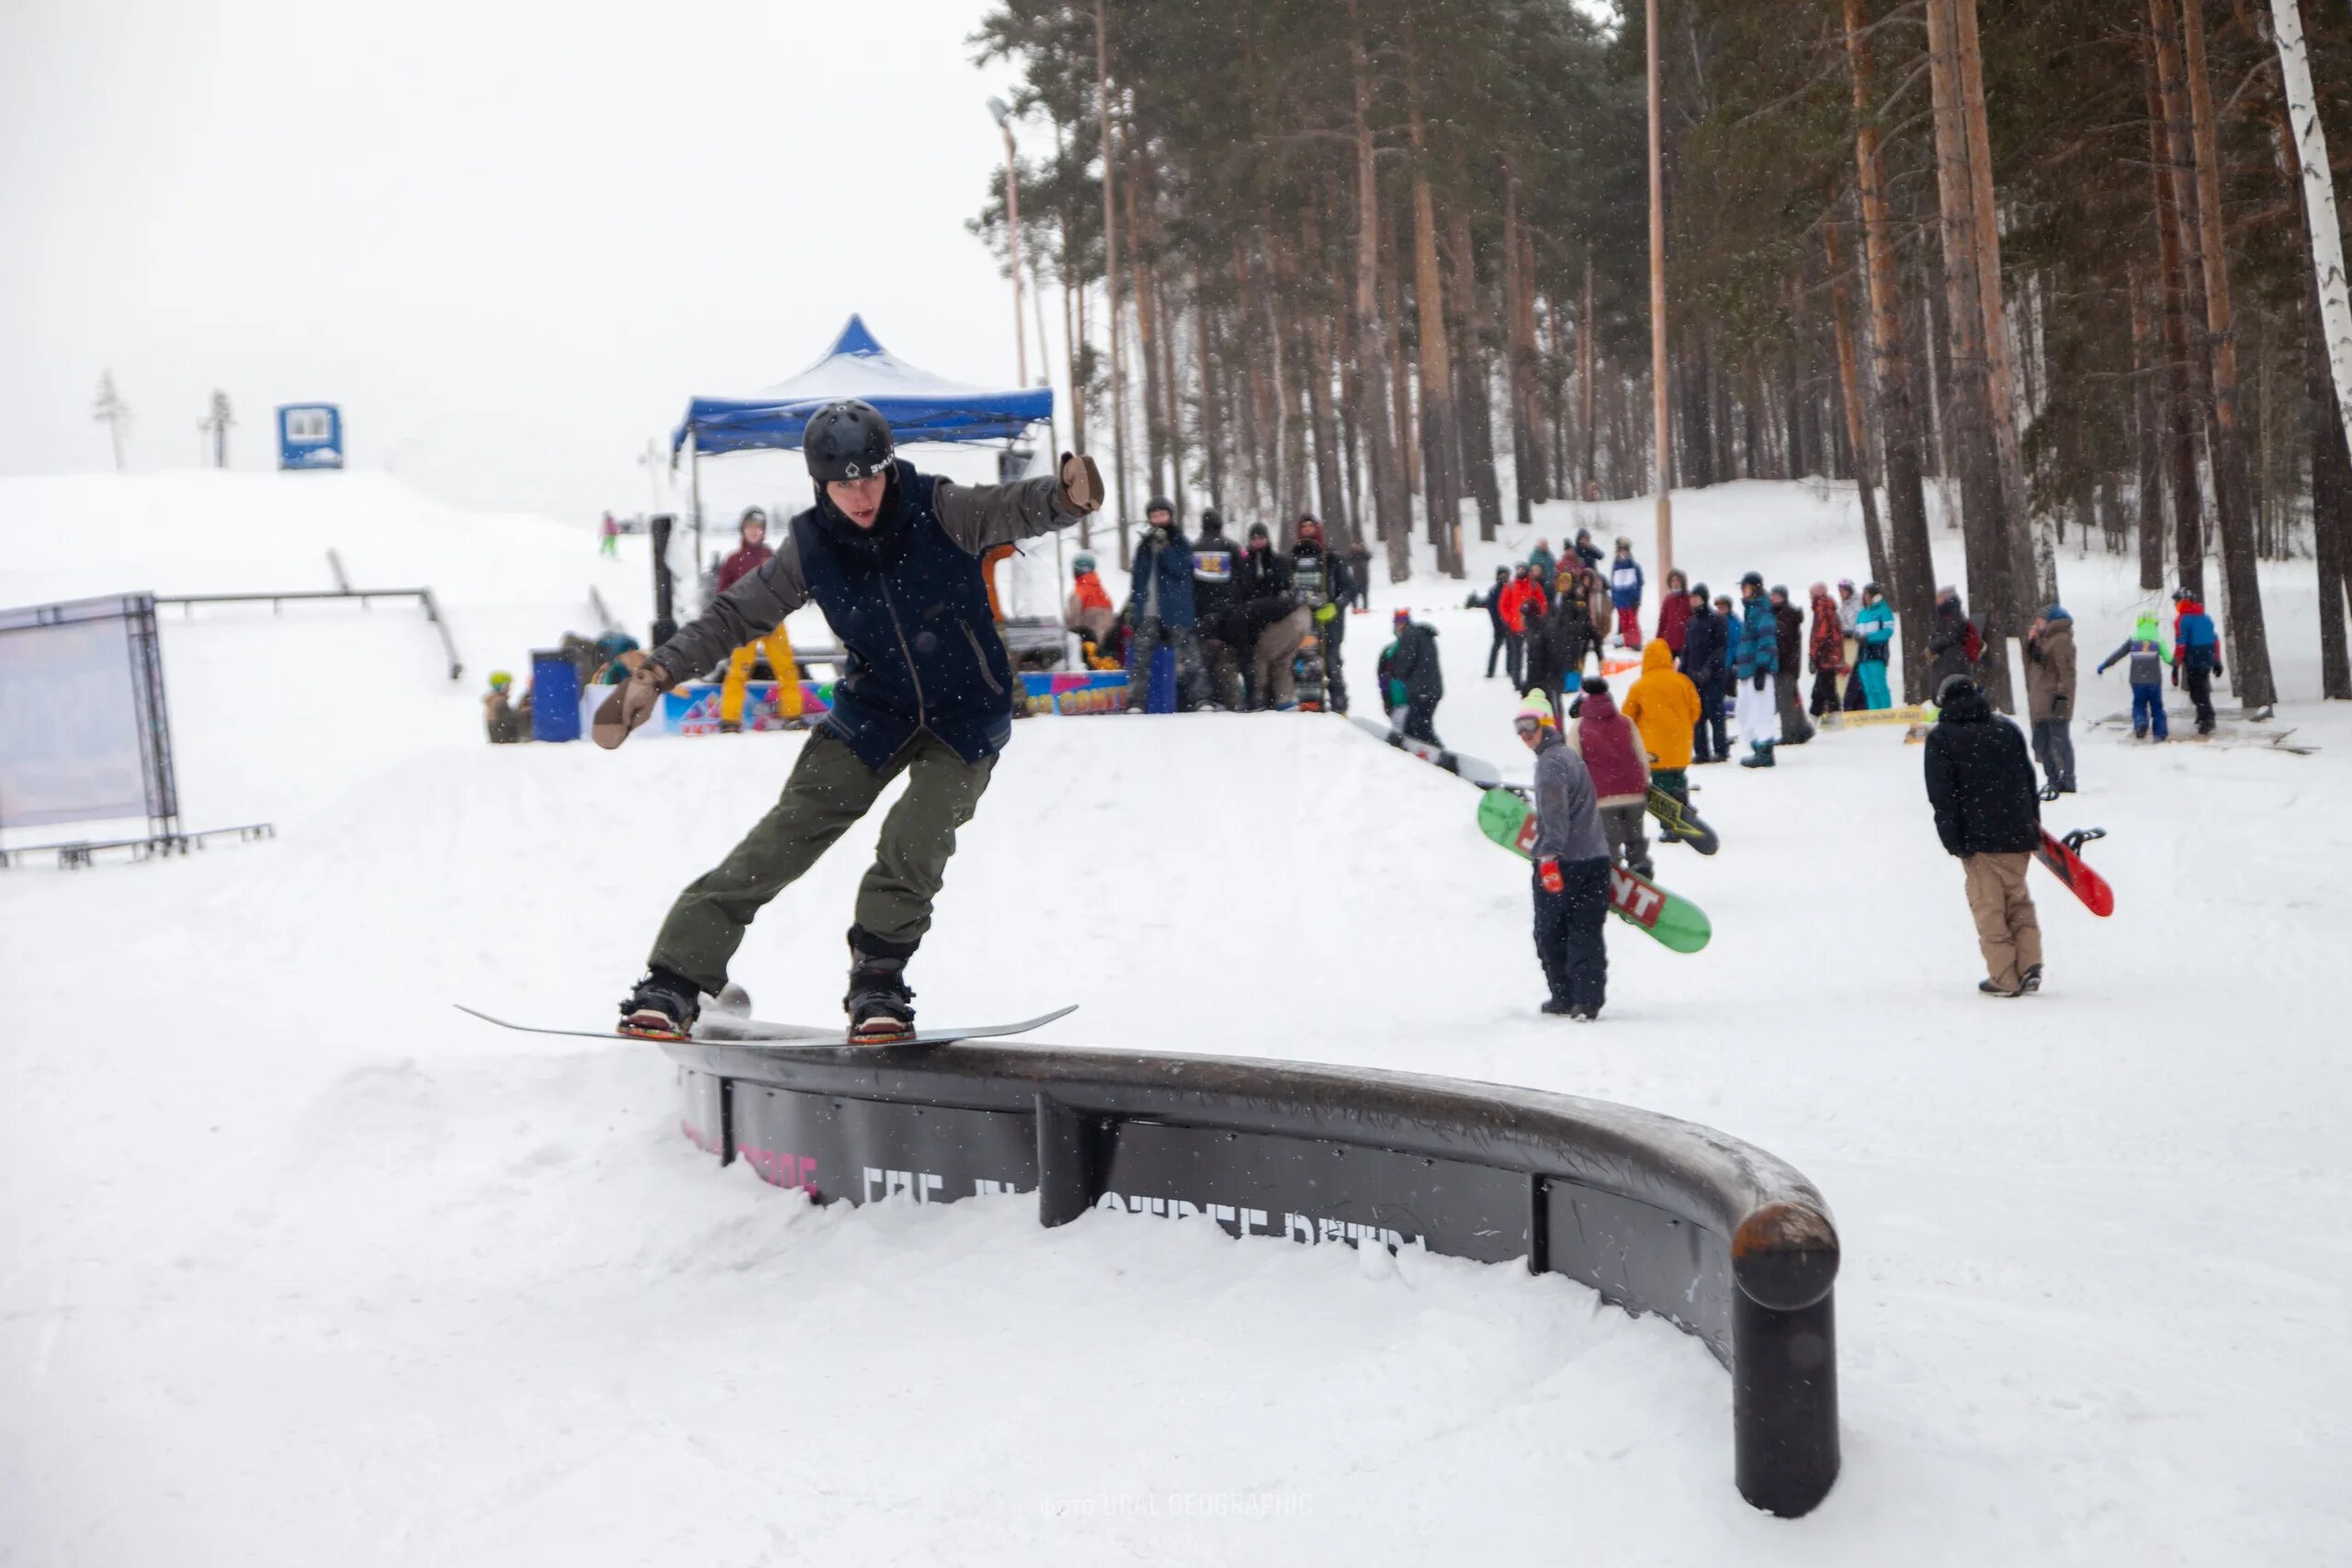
310,435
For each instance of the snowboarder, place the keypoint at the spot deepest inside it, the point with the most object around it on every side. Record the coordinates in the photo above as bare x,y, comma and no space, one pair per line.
1788,670
2196,655
1586,551
609,533
2145,649
1706,662
1828,648
1873,634
1413,668
1161,609
1665,707
1541,563
773,644
1613,753
1492,601
1980,783
1755,658
1571,884
1625,594
1557,648
2050,697
892,557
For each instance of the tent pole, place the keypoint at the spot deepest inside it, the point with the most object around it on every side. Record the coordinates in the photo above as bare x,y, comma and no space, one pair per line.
694,495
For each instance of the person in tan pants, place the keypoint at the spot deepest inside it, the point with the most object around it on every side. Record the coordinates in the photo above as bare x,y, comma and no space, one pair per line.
1988,813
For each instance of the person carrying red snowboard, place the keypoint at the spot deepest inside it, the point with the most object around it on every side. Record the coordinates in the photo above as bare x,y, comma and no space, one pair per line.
1988,814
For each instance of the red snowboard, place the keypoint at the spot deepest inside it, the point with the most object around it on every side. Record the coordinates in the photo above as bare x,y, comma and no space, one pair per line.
2058,856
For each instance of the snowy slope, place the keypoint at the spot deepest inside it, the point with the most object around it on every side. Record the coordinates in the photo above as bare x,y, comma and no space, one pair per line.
300,1264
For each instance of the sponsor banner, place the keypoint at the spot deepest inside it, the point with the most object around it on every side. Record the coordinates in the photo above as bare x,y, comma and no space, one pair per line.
1074,692
693,709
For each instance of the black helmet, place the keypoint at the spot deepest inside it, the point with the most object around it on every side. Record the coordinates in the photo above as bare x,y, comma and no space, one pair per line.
1752,580
848,440
1160,503
1212,522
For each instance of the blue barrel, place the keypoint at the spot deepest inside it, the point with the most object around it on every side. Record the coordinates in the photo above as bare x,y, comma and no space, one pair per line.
1160,696
555,697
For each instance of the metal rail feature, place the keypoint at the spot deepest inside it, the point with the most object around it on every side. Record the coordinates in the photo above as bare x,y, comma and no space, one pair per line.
1728,1242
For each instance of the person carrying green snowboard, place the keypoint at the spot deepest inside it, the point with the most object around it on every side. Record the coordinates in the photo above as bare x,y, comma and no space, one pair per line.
1571,886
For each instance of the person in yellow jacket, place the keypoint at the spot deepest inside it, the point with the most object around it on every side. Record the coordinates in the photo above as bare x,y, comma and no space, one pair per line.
1664,707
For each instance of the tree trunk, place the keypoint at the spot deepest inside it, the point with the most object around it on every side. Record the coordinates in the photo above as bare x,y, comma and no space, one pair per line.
2178,425
1474,421
2250,674
2322,229
2034,560
2149,442
1441,440
1317,374
1371,360
1912,587
1111,286
1587,375
1520,358
1212,405
1155,428
1992,596
1849,389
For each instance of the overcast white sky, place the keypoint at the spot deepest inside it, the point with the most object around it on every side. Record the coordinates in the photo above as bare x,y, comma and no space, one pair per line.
510,239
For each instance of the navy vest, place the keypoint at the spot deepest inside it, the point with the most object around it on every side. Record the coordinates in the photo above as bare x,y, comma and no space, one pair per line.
909,606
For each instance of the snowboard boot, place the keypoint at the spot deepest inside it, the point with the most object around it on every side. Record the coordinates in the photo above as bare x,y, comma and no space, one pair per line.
1992,989
731,727
1559,1008
2030,981
881,1008
1759,755
663,1007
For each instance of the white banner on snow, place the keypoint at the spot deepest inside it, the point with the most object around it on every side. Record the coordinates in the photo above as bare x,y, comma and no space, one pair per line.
69,723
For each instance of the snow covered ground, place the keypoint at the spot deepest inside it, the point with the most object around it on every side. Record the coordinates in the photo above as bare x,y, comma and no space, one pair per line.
297,1264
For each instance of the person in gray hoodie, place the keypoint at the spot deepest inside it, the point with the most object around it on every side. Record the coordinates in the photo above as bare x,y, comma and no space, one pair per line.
1571,856
2050,697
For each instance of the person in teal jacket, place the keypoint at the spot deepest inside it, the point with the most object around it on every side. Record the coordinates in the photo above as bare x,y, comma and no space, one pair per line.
1874,631
1756,657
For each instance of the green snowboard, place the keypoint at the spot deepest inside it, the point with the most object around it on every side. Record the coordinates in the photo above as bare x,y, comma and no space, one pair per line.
1639,902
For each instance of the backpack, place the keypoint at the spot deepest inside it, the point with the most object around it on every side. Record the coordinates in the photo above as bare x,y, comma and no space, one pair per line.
1972,641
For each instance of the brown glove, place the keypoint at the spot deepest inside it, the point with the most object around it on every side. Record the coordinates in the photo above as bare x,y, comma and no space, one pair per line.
631,704
1081,483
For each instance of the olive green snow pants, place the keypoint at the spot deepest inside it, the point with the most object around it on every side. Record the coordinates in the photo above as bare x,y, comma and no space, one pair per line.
830,789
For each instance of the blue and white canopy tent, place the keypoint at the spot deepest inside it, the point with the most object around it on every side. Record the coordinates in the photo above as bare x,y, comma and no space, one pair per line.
919,405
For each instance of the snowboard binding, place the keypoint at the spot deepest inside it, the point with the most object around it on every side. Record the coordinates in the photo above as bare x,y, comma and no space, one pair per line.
2081,836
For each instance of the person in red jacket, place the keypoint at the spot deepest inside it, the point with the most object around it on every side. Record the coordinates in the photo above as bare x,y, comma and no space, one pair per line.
1826,644
1674,612
1522,605
1613,754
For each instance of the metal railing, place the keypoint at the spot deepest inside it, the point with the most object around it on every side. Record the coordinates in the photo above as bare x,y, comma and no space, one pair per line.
365,595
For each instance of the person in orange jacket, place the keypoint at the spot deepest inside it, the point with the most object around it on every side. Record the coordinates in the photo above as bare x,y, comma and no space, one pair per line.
1664,705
